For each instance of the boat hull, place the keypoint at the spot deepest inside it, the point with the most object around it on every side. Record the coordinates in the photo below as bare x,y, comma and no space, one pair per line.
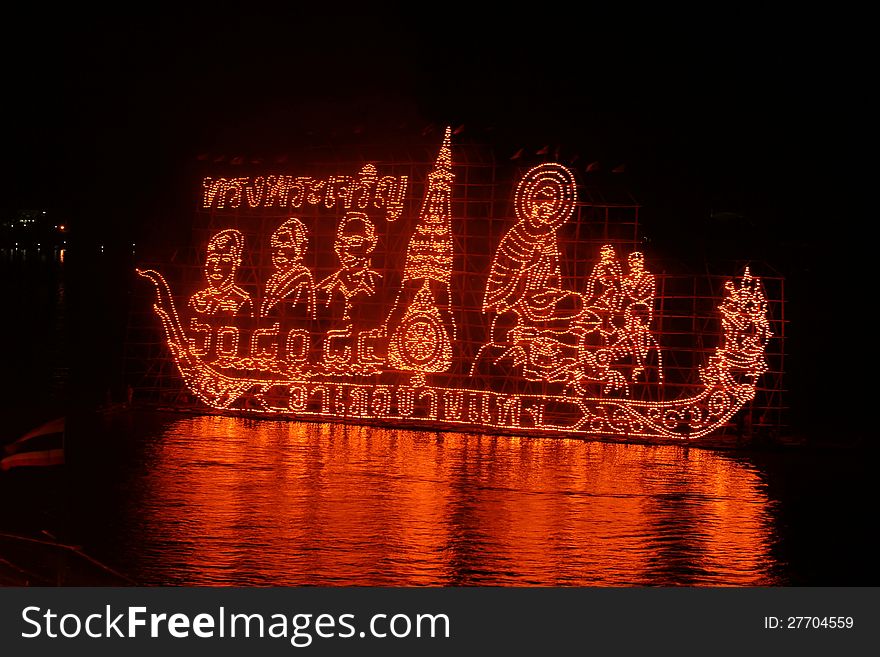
728,382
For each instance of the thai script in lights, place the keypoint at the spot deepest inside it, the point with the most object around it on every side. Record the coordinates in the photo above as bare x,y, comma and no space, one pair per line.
365,191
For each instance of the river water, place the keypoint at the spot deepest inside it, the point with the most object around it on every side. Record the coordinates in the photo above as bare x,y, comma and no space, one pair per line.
224,500
208,500
205,500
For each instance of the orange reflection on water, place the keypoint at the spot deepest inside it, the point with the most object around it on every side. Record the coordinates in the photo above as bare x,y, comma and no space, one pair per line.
232,501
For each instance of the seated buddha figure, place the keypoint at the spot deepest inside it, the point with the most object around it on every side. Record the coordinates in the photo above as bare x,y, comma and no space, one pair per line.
532,313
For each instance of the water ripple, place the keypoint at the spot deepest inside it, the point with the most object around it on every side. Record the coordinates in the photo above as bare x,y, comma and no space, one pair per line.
228,501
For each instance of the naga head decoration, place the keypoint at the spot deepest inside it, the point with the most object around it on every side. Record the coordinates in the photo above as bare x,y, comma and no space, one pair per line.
745,324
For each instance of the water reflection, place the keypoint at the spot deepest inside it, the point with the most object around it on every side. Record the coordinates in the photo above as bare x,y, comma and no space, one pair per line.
232,501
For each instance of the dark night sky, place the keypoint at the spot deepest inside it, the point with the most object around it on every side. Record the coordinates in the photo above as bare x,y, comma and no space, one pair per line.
746,119
763,118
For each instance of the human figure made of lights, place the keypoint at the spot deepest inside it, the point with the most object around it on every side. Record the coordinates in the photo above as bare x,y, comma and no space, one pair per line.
211,307
639,285
605,291
348,289
621,340
222,296
282,343
290,287
634,338
532,312
596,328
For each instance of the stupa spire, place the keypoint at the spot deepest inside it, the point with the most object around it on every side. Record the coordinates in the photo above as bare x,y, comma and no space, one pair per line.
421,341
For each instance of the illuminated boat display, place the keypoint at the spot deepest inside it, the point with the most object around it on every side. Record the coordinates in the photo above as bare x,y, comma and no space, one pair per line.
363,343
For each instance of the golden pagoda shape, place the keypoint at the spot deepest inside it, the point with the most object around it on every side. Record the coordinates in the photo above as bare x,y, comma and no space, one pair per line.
420,326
